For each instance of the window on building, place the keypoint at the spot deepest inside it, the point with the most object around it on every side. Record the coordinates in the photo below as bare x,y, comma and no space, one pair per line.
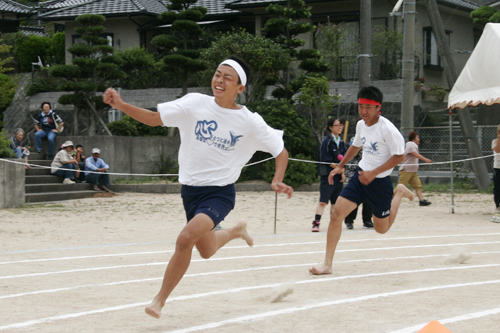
110,37
432,60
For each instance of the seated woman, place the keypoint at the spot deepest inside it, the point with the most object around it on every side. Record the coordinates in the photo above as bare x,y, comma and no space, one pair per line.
21,152
64,164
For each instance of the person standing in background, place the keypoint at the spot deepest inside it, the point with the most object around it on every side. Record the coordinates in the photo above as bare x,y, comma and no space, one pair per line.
331,151
409,168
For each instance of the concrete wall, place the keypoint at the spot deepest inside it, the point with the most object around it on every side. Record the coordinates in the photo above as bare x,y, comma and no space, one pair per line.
130,155
11,185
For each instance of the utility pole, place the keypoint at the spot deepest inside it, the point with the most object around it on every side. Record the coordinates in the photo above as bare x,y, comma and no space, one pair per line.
470,136
407,111
365,43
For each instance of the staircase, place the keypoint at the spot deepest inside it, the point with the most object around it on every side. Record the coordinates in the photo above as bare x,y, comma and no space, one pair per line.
42,186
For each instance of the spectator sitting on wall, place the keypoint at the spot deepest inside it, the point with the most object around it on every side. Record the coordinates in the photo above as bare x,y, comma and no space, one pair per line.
64,164
80,158
47,125
15,144
99,170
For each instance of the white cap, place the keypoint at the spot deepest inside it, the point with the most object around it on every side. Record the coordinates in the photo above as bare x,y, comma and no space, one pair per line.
67,144
96,151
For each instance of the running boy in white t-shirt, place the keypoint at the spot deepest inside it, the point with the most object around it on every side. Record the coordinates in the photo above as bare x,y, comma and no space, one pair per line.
383,149
218,137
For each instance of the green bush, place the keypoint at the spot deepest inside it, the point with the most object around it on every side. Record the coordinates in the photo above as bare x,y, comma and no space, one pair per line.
42,82
58,48
7,91
5,150
128,126
29,48
141,68
297,173
298,135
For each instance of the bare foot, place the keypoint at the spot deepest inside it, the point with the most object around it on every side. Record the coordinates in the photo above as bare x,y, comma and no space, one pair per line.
405,192
242,230
154,309
322,269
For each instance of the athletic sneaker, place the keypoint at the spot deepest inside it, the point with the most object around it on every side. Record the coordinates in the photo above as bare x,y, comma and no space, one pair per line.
424,202
315,227
349,225
68,181
368,225
496,218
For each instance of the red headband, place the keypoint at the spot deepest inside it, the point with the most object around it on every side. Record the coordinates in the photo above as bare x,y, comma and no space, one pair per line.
367,101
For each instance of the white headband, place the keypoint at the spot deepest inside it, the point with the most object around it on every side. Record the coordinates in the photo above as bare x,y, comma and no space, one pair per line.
237,67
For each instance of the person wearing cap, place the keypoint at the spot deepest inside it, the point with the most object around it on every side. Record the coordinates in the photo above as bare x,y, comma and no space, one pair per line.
496,175
99,170
383,148
64,164
409,168
218,137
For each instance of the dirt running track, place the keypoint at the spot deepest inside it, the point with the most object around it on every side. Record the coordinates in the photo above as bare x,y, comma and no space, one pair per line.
92,265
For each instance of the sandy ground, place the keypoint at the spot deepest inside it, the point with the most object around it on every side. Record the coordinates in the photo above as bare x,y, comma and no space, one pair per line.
92,265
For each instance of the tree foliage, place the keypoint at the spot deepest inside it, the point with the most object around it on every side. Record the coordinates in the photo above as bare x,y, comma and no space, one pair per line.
141,68
482,15
317,103
128,126
265,57
333,44
93,69
5,150
181,57
284,29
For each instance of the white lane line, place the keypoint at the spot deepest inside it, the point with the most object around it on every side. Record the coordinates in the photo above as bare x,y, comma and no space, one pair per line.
241,257
266,314
227,272
463,317
243,246
260,316
224,272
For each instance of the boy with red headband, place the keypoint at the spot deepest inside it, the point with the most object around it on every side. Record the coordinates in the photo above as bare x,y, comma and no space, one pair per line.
383,149
218,137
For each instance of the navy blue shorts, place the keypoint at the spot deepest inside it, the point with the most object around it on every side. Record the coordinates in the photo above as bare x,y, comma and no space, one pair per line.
329,192
377,195
214,201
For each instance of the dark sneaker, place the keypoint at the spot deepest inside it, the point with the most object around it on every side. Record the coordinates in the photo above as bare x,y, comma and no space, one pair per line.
349,225
368,225
315,227
424,202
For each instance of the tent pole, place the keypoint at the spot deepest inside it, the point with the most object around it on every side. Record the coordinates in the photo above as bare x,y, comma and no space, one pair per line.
451,165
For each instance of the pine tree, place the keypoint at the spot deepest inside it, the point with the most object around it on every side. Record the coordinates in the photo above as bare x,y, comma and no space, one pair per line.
181,55
284,29
94,68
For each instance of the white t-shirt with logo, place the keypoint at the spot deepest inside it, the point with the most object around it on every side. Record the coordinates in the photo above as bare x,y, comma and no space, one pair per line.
216,142
380,142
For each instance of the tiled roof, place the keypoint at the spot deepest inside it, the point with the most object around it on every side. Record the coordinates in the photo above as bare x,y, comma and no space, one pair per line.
73,8
32,31
10,6
56,4
464,4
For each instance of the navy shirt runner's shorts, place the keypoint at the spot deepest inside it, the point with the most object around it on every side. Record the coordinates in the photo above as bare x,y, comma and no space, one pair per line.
329,192
378,194
214,201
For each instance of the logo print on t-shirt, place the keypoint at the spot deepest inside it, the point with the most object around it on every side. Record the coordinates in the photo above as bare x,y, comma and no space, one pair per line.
205,128
205,132
370,149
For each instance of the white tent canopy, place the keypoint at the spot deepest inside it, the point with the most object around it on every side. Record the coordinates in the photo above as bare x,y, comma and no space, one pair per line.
479,82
